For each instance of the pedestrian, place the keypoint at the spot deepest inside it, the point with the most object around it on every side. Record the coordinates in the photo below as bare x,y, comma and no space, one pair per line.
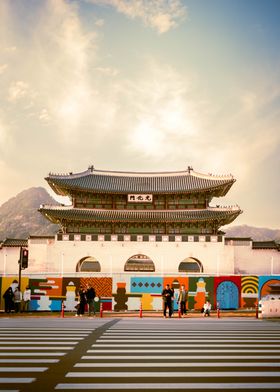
81,301
26,299
182,299
8,299
90,295
207,309
167,297
17,299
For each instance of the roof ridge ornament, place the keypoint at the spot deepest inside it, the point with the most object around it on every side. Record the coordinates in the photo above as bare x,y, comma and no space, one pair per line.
91,168
189,169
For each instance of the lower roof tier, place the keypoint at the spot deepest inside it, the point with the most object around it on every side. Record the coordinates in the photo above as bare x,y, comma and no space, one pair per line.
57,214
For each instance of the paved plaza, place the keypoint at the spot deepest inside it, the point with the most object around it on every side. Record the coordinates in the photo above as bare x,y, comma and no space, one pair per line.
45,354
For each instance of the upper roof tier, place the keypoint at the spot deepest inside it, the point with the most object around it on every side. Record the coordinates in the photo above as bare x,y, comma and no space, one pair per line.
102,181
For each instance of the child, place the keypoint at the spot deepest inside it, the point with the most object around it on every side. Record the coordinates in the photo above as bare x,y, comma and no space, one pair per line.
207,308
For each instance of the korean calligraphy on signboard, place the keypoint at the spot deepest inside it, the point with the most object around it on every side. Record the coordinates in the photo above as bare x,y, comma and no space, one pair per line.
140,198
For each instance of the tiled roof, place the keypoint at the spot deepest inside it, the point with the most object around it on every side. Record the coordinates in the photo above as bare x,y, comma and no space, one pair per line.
57,214
14,242
266,245
124,182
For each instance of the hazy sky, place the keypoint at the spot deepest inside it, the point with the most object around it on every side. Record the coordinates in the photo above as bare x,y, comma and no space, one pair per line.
143,85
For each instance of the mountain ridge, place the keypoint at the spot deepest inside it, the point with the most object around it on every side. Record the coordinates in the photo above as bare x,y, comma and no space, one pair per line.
19,216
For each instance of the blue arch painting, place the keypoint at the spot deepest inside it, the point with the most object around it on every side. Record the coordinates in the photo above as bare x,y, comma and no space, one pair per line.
227,295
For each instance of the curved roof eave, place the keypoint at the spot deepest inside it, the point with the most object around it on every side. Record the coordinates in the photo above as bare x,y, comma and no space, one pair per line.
99,181
223,215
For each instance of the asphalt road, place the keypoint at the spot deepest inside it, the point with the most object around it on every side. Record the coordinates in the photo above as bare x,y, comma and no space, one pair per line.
47,354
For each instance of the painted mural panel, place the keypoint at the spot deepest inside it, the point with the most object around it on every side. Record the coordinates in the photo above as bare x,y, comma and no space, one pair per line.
249,291
227,295
145,284
222,298
200,290
176,282
264,282
121,297
45,294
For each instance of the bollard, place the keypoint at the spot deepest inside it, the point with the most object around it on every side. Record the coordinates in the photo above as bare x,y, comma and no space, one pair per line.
179,312
257,309
218,312
62,309
141,311
101,309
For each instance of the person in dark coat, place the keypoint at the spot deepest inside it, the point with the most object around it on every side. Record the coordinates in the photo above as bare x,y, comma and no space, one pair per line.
90,294
82,301
8,298
167,297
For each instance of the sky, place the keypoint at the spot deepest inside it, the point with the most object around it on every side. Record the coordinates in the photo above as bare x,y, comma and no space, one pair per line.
143,85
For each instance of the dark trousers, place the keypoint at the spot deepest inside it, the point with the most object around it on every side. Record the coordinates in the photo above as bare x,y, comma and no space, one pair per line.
91,306
167,304
183,307
81,308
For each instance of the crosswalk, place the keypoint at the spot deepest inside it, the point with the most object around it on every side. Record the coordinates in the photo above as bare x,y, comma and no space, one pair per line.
161,354
26,353
136,355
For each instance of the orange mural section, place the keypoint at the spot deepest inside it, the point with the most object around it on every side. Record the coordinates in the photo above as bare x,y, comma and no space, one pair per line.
102,286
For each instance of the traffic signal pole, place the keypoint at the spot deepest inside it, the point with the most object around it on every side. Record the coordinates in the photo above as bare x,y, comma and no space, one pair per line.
22,263
19,269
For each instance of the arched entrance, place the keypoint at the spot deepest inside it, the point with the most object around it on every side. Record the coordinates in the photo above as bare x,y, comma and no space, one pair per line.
139,263
190,265
88,264
227,295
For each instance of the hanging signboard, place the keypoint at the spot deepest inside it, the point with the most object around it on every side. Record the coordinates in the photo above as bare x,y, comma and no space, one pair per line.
140,198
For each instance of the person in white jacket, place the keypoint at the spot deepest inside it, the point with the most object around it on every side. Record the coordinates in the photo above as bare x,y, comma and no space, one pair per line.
26,299
207,308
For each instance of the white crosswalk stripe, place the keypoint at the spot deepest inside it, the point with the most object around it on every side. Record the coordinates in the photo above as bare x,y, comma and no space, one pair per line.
17,345
152,355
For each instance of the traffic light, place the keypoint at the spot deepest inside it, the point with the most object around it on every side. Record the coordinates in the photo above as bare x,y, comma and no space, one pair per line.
24,258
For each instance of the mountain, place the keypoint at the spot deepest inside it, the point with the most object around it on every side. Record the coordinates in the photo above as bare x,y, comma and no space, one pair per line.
256,233
19,216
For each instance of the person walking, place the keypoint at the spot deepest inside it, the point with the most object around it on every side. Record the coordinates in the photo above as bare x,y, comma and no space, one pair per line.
17,299
82,301
8,299
90,295
26,299
207,309
167,297
182,299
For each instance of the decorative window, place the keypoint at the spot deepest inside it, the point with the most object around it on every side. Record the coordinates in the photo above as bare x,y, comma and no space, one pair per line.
139,263
190,265
88,264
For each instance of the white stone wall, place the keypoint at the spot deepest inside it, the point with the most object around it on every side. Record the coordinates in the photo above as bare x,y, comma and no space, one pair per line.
256,261
112,255
61,257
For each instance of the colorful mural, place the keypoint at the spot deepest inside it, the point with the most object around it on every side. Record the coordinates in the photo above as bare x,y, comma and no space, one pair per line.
126,292
265,282
249,291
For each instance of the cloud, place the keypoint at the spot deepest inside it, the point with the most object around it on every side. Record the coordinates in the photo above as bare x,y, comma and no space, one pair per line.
3,68
161,15
17,90
99,22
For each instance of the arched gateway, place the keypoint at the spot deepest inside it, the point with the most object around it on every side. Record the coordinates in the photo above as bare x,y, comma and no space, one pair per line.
139,263
190,265
88,264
